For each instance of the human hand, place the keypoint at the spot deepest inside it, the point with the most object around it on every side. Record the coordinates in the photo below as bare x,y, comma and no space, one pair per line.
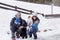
20,27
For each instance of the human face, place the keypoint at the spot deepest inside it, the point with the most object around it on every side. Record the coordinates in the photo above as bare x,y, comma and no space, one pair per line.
34,18
18,15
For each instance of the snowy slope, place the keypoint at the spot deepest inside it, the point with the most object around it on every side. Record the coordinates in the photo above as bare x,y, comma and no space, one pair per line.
44,24
6,15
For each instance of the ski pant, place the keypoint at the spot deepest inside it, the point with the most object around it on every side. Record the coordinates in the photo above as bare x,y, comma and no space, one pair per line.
13,30
33,31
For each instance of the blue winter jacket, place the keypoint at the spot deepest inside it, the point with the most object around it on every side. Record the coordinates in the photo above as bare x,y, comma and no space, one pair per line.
15,22
18,21
35,25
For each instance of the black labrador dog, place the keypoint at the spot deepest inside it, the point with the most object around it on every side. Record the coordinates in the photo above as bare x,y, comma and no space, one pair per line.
22,32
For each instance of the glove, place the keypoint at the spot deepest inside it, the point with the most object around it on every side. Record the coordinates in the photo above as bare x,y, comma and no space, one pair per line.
20,27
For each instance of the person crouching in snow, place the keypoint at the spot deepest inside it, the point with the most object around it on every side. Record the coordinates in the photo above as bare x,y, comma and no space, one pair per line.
15,24
34,28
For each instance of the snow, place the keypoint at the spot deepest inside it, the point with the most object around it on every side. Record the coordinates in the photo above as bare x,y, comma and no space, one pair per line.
45,24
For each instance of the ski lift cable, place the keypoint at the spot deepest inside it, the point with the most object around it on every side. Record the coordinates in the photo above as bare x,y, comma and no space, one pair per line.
30,11
18,8
46,16
13,10
15,7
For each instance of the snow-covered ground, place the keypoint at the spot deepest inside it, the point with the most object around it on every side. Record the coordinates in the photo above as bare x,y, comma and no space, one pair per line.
54,24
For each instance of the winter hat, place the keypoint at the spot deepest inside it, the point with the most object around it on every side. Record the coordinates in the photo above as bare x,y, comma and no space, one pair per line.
34,14
17,14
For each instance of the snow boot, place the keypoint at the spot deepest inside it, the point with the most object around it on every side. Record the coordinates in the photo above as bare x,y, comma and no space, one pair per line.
17,35
22,37
30,36
26,37
35,36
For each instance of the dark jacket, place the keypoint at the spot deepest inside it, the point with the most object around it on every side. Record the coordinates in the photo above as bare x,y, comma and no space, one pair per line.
12,23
